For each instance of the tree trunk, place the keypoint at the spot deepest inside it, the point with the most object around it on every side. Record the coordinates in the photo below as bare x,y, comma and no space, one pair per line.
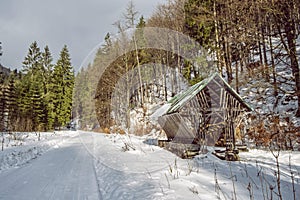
291,35
273,62
294,62
265,63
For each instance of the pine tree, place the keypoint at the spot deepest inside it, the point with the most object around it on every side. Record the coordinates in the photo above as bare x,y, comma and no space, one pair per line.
8,101
198,20
13,109
23,101
47,67
47,78
33,60
51,99
38,104
33,89
62,86
3,102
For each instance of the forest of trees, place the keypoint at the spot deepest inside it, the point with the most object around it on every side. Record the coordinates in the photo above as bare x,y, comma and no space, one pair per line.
39,97
251,44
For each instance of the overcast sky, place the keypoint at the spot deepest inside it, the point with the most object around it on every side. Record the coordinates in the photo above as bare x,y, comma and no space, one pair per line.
80,24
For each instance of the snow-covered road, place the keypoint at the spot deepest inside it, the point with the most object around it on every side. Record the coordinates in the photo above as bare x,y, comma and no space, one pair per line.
86,165
64,172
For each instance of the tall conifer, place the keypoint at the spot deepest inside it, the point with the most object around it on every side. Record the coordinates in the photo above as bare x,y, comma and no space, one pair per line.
63,83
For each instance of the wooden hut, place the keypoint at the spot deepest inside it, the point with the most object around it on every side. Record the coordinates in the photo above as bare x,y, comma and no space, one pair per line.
204,114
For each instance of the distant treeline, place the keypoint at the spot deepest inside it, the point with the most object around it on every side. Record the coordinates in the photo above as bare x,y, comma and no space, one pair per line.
39,97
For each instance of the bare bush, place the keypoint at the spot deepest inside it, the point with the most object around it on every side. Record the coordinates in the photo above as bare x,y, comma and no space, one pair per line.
271,130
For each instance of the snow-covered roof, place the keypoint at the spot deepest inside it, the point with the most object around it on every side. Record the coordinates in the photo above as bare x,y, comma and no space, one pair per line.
178,101
160,111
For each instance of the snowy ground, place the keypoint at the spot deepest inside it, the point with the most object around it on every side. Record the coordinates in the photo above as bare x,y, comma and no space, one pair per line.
85,165
61,168
20,148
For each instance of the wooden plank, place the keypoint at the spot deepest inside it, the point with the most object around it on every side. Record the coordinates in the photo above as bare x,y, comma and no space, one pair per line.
176,129
183,150
203,97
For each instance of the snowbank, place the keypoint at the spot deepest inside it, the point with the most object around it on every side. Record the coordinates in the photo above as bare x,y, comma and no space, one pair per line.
20,148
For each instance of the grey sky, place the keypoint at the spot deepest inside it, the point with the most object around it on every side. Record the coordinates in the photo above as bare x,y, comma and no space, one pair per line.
80,24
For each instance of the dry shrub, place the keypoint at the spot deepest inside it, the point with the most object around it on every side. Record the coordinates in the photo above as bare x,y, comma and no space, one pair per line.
98,130
272,130
117,130
102,130
106,130
122,132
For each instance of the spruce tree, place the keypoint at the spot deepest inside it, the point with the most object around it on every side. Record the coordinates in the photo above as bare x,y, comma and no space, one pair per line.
13,109
33,89
47,67
47,79
24,103
38,104
3,104
33,60
8,101
198,21
62,86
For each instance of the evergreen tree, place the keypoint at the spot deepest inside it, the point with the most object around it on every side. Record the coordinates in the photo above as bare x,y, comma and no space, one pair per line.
62,87
23,101
47,75
51,99
13,109
38,104
3,101
199,22
33,61
40,97
47,67
33,89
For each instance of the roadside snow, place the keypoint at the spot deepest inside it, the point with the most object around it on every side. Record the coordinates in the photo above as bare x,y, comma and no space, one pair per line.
131,167
20,148
64,172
